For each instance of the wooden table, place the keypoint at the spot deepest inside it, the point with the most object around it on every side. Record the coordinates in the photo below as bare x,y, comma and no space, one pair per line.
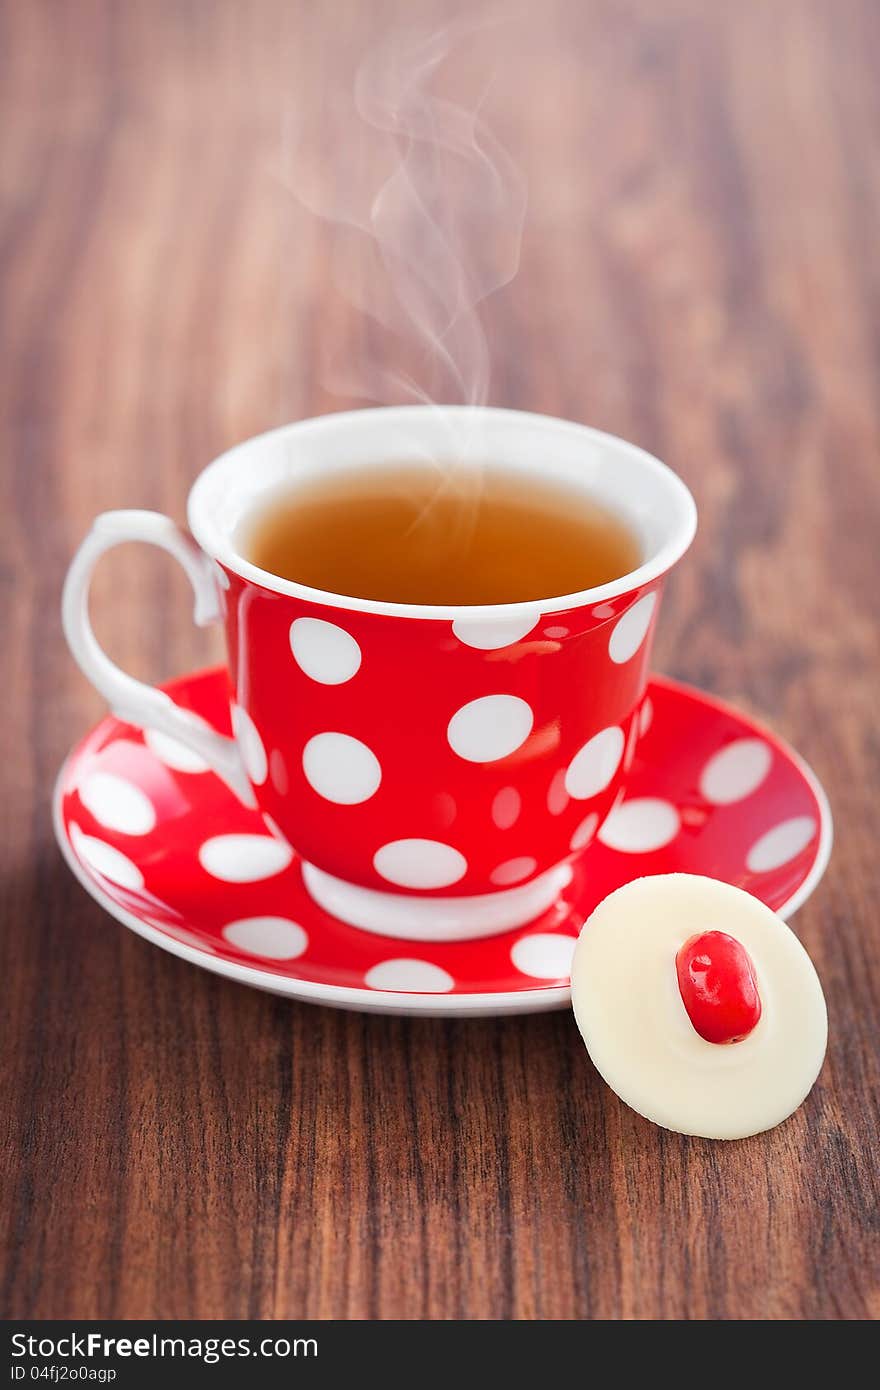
700,273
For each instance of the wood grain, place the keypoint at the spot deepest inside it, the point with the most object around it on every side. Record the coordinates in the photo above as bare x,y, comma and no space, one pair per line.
700,274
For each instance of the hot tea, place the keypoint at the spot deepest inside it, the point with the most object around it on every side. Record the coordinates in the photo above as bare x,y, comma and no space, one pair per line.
418,535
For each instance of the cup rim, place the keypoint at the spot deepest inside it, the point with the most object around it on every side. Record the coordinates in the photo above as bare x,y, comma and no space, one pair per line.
219,545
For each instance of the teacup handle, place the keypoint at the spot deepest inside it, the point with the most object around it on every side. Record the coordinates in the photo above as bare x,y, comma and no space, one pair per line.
132,700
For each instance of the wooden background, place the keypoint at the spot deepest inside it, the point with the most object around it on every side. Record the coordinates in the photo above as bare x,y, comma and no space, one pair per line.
700,273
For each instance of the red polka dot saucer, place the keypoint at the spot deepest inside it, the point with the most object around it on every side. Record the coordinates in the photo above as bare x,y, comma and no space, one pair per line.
166,848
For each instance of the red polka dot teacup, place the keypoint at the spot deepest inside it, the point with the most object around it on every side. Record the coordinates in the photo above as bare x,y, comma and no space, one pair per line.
436,768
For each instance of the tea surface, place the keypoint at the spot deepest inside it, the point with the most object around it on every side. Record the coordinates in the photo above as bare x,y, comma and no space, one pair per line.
420,535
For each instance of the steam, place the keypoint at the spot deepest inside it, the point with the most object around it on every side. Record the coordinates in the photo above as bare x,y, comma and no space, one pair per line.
424,210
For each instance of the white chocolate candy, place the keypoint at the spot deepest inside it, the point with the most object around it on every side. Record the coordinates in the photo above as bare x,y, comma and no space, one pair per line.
631,1015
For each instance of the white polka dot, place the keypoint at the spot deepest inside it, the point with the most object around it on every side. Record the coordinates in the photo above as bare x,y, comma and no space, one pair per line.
490,728
341,768
278,772
275,938
736,771
564,875
593,767
514,871
556,631
632,739
557,797
630,630
780,844
646,714
244,858
506,807
110,863
488,635
324,651
544,955
117,803
274,829
409,977
173,753
419,864
250,745
585,831
636,827
603,610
